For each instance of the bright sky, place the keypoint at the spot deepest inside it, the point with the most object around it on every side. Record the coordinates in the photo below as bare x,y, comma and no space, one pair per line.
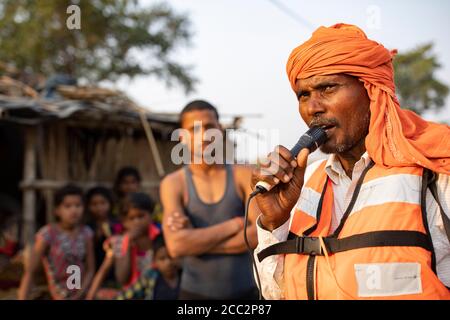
239,52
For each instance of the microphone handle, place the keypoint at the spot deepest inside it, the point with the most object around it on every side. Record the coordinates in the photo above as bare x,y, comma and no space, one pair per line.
305,141
312,139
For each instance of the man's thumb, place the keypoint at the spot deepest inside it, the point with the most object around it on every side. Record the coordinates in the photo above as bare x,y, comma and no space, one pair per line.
302,160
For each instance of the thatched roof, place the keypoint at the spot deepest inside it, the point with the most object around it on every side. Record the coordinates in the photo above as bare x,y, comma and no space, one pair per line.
83,105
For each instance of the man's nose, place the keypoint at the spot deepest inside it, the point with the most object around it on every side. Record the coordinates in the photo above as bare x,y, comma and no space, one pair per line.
314,106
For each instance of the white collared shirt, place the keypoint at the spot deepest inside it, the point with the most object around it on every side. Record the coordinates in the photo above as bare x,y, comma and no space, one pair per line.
271,268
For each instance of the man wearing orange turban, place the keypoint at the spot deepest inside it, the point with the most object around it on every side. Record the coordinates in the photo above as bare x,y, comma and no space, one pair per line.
371,221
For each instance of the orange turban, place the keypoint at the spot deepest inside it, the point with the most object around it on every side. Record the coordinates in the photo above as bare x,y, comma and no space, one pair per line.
397,137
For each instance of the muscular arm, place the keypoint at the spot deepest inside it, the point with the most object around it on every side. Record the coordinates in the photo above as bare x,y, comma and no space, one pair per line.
189,241
236,243
31,267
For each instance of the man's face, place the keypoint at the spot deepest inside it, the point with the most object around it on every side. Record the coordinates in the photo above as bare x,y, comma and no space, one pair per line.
338,102
197,122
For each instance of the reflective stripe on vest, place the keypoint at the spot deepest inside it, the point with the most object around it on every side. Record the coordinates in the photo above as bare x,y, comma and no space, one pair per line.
381,250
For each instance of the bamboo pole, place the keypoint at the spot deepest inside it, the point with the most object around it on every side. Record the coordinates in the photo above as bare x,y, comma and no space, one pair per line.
49,216
152,144
29,194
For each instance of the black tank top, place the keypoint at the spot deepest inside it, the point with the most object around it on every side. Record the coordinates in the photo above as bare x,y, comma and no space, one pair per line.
217,276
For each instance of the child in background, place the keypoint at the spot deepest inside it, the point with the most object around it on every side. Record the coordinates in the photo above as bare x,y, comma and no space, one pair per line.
131,254
9,227
99,203
160,283
128,180
60,245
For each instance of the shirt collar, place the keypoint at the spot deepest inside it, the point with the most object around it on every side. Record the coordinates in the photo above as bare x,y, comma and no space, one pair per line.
334,169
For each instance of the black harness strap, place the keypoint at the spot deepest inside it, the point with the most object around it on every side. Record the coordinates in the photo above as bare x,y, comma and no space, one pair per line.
311,245
353,199
427,181
319,210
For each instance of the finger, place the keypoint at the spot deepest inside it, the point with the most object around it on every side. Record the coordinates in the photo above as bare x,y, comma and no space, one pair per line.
186,222
170,221
176,214
179,219
277,171
286,155
181,224
262,174
176,227
281,166
280,151
265,162
173,225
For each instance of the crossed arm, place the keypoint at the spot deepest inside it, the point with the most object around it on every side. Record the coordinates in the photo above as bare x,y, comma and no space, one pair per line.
184,240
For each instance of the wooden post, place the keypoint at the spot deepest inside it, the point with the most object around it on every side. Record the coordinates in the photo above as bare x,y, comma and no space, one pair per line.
152,144
29,194
49,216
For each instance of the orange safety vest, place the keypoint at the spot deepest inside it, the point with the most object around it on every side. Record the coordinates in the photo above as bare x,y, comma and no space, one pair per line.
382,248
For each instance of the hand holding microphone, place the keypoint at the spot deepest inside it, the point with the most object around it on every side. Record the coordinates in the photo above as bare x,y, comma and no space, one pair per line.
280,178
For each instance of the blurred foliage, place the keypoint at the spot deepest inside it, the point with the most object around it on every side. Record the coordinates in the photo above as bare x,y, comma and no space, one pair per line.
117,38
415,80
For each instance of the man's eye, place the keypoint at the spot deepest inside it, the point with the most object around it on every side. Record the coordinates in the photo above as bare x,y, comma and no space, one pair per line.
329,87
303,95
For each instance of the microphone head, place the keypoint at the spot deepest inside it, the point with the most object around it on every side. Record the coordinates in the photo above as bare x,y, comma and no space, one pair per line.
318,135
312,139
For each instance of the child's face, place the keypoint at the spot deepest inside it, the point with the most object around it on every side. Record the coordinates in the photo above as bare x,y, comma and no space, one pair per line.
164,263
138,221
99,206
70,210
129,184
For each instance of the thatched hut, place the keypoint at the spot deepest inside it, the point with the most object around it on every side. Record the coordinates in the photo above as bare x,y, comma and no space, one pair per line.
80,135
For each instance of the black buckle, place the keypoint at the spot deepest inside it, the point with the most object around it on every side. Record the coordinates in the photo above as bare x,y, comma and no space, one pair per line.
308,245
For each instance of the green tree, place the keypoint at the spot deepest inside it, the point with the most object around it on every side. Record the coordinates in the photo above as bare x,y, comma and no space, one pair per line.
117,38
415,80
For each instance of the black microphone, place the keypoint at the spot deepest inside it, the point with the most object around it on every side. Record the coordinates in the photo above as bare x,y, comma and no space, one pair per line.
312,139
